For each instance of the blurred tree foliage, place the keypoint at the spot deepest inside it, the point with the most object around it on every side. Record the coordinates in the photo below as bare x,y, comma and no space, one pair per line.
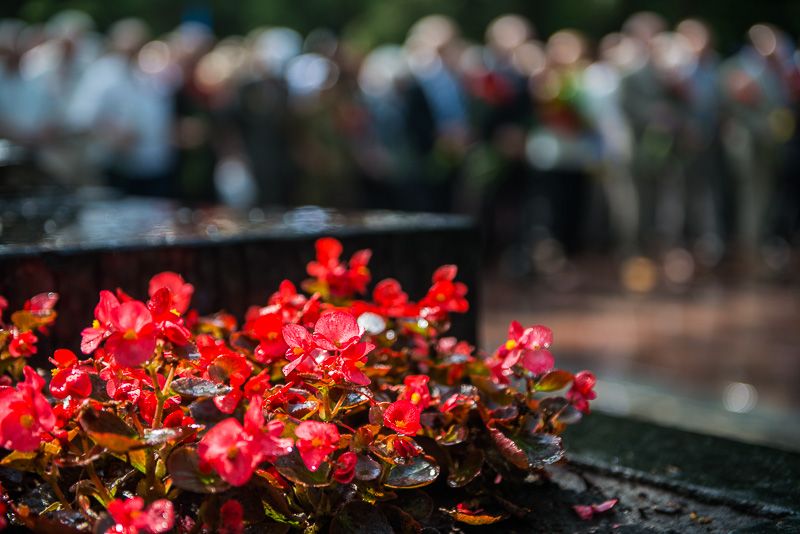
374,21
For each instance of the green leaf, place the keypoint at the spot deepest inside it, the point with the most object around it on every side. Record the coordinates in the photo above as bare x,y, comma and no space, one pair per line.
419,472
541,449
367,468
183,466
454,435
291,466
466,468
26,320
360,517
109,431
199,387
509,450
159,436
529,450
554,380
21,461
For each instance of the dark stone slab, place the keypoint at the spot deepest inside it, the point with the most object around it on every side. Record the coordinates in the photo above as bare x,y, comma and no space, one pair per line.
752,478
234,259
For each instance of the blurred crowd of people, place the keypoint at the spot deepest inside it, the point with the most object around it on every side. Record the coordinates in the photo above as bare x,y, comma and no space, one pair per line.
645,140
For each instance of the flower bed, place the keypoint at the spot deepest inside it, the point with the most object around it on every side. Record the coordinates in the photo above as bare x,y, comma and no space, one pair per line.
319,410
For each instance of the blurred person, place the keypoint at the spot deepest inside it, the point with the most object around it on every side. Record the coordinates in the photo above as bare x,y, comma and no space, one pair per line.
758,122
495,178
563,146
59,63
603,86
26,109
399,135
190,43
328,119
655,96
129,114
705,173
434,47
259,118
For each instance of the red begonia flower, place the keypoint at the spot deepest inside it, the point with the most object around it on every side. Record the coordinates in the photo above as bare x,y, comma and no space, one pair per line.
267,329
131,517
134,337
337,331
234,451
180,290
341,280
416,391
102,327
301,348
403,417
315,442
345,467
22,344
231,518
25,414
70,379
444,296
167,318
582,390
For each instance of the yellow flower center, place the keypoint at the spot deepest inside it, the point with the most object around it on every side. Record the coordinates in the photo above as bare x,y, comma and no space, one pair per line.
233,452
511,344
272,336
95,324
415,398
26,421
130,335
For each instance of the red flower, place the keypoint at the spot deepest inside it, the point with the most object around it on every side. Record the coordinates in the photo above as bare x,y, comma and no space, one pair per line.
337,330
267,329
582,390
70,378
25,414
102,327
392,301
403,417
341,280
416,391
530,345
231,518
130,518
587,511
22,344
345,467
180,291
302,349
444,296
315,441
234,450
339,333
293,307
134,337
167,318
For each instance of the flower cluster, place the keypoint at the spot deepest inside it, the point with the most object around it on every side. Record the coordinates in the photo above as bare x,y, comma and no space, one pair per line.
318,403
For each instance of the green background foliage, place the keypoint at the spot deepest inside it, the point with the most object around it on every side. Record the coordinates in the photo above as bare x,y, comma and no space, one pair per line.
373,21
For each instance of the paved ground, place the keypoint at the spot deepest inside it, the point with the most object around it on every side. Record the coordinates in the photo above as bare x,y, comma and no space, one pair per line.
716,353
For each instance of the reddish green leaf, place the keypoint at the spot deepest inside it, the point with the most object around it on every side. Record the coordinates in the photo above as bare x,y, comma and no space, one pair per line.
109,431
420,472
183,466
554,380
199,387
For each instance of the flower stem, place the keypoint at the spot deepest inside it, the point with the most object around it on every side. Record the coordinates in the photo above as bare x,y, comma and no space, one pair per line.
51,479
